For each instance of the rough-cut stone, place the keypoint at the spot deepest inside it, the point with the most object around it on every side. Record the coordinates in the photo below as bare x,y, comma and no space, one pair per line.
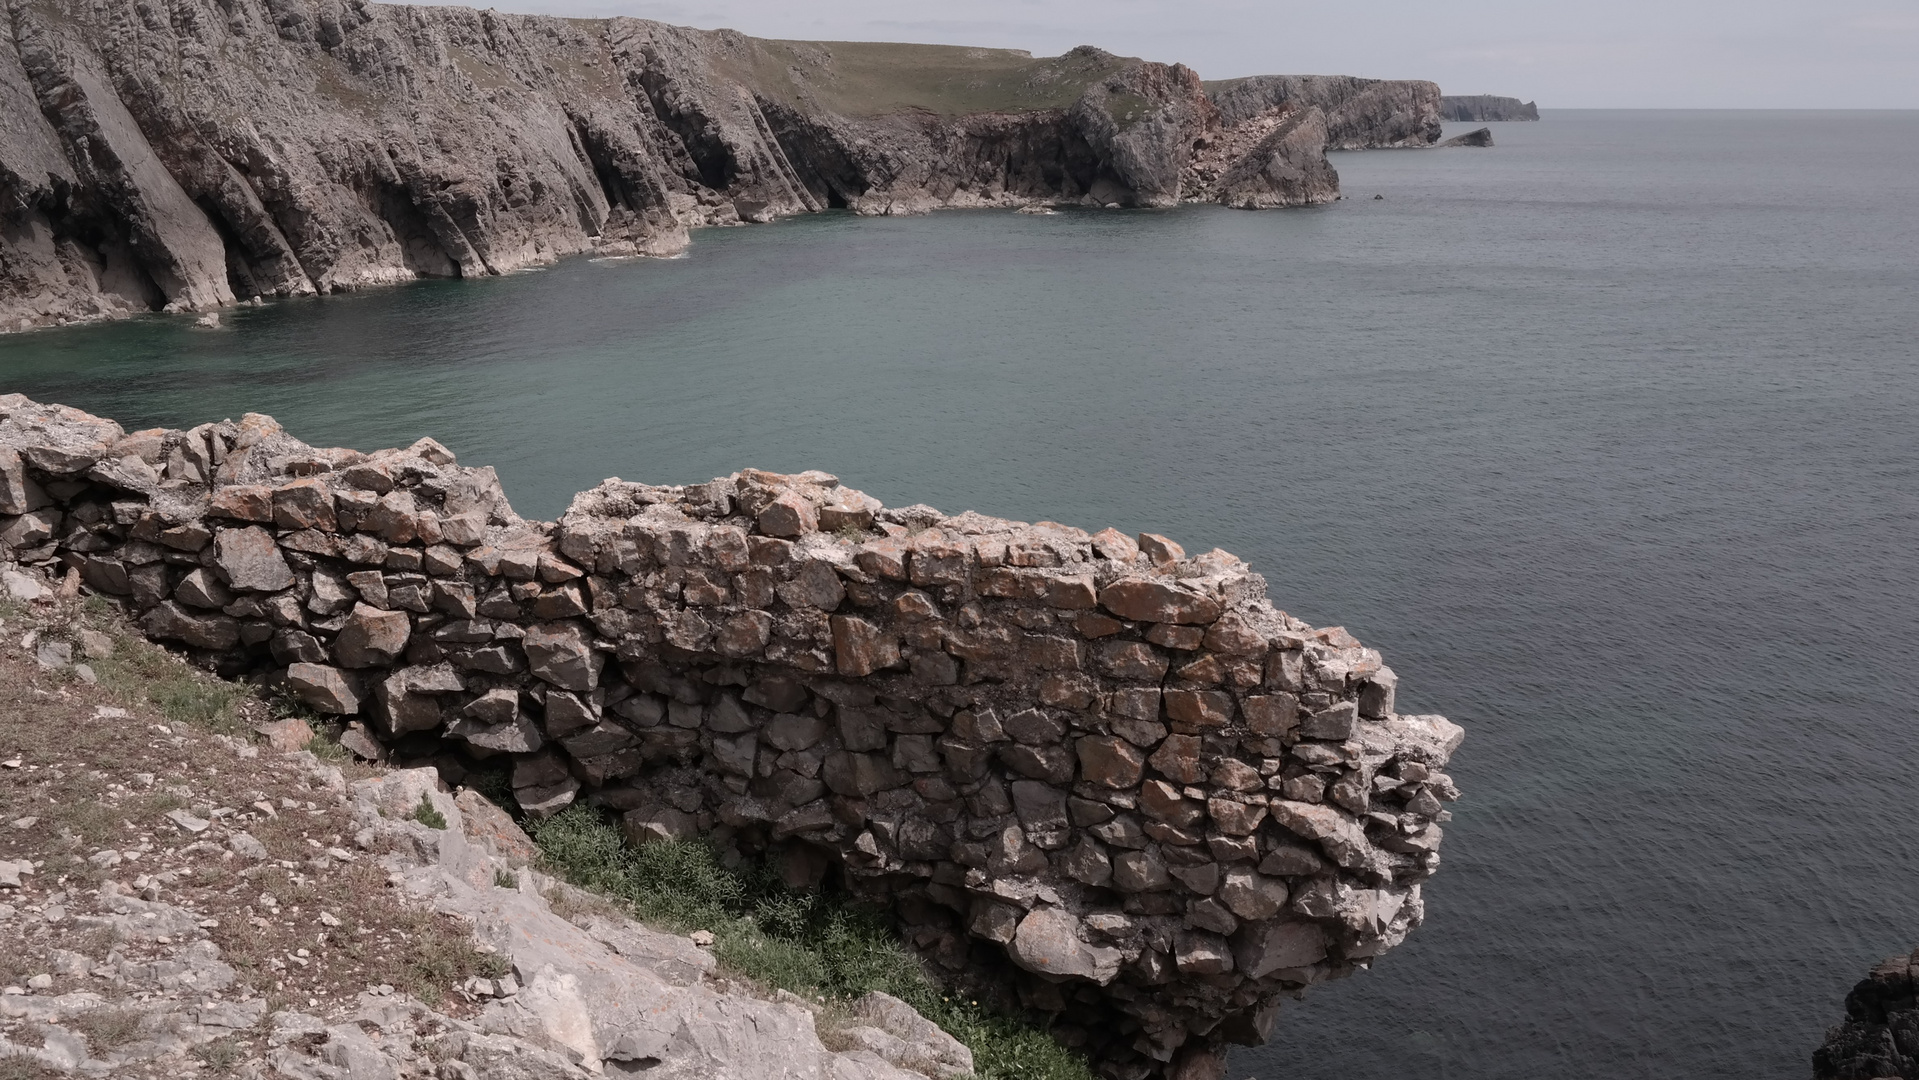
1112,762
1265,947
562,654
1158,600
251,560
371,637
1048,942
326,689
171,622
1199,953
861,648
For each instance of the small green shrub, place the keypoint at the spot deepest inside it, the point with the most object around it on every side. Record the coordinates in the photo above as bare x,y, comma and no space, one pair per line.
138,671
107,1027
505,879
219,1056
426,815
813,944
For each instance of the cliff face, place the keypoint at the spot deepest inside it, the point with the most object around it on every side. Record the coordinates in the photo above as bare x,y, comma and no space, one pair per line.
1092,776
1483,108
1360,114
217,150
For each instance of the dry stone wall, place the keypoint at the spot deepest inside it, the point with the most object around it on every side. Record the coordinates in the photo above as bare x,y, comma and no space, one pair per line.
1083,769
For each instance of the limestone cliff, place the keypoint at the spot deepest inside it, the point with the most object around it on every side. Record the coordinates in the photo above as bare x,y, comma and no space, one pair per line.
1091,775
1481,108
1360,114
213,150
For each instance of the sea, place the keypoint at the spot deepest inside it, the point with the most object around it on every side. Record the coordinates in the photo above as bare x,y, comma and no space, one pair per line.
1607,435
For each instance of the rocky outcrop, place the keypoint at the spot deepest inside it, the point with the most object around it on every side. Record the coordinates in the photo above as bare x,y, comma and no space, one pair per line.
1476,137
1880,1036
1482,108
259,148
1104,779
1360,114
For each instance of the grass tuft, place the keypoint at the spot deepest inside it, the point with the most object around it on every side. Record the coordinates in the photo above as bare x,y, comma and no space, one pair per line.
812,944
21,1067
107,1028
139,671
426,815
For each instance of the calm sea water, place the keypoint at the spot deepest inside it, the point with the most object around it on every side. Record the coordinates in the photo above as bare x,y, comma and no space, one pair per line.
1606,435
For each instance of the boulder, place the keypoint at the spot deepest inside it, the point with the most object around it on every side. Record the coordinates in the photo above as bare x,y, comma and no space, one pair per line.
251,560
1048,943
326,689
371,637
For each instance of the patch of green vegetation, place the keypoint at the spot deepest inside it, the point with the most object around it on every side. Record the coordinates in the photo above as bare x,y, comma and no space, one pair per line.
505,879
219,1056
108,1027
438,956
325,745
138,671
1128,108
495,785
426,815
22,1067
814,944
872,78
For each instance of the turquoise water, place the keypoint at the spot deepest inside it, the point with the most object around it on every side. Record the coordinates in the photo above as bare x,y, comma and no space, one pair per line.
1605,435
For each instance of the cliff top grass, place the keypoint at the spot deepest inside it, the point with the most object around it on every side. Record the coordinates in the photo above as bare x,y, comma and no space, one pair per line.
868,78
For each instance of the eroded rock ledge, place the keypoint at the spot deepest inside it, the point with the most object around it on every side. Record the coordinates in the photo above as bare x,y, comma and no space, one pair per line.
224,150
1085,768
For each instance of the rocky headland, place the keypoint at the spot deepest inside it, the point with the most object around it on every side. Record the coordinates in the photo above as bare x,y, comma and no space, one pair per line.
1484,108
223,150
1087,773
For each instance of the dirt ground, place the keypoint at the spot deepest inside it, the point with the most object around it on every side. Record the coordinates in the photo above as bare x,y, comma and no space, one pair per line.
126,773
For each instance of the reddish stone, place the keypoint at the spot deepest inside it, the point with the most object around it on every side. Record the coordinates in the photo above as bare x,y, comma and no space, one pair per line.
1178,758
1132,660
1072,594
1234,636
788,515
1157,600
1205,671
304,504
1201,708
861,648
1271,715
1115,545
1235,818
1159,549
1185,638
1162,801
246,502
1113,762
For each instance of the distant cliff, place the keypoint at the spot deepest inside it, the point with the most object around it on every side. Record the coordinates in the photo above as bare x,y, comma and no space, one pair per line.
217,150
1481,108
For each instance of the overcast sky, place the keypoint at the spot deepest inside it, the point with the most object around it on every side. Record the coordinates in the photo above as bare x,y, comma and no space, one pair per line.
1567,53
